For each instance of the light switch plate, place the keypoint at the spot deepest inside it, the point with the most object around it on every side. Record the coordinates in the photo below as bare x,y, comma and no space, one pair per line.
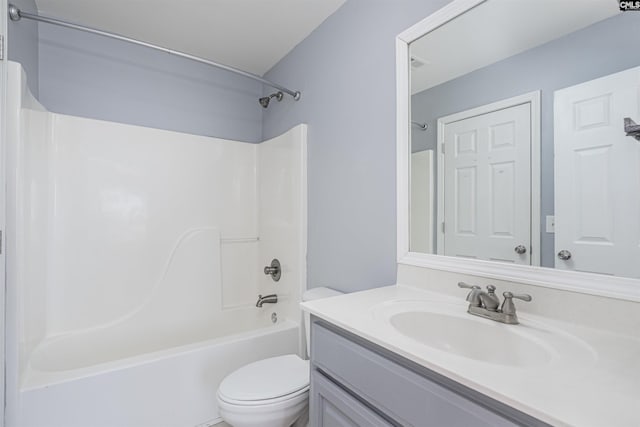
551,224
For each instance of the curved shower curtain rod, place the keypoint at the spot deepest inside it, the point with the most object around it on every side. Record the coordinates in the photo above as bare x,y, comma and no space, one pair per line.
16,14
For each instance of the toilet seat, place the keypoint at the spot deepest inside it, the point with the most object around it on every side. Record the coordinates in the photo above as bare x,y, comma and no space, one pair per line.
266,382
264,402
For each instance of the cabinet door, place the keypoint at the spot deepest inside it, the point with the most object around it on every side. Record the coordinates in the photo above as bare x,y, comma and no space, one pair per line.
333,407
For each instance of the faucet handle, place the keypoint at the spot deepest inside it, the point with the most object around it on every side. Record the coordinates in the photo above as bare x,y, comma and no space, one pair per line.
523,297
473,298
467,286
508,307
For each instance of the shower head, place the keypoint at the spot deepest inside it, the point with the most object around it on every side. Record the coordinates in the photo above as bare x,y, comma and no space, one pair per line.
265,100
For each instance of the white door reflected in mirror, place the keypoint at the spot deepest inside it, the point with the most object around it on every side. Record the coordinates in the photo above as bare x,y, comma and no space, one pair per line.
597,176
485,187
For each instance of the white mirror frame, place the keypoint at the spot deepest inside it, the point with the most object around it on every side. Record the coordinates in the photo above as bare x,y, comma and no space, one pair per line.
589,283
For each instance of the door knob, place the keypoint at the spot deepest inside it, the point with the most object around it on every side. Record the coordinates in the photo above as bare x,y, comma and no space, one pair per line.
564,255
632,128
520,249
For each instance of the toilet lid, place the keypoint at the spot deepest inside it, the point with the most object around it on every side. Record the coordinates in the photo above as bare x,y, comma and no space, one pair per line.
266,379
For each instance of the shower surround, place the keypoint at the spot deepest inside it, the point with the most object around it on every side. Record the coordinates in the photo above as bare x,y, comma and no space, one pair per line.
138,258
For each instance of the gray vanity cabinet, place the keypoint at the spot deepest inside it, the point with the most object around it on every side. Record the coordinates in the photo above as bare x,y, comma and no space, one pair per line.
356,383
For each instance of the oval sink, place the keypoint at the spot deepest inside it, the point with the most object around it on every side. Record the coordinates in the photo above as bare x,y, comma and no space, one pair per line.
492,343
446,327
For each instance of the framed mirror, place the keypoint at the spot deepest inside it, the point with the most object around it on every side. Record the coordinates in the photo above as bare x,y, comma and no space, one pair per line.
517,152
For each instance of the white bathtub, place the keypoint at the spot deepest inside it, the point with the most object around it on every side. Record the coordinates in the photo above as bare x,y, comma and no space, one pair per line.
80,381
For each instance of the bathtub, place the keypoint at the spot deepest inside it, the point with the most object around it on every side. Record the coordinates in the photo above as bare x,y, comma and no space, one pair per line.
96,380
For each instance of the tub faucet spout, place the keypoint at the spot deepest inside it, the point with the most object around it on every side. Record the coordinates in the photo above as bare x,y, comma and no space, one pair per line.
269,299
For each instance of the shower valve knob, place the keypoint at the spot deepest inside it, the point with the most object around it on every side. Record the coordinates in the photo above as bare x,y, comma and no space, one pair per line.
273,270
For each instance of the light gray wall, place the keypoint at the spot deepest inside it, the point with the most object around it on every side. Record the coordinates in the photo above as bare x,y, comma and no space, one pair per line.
346,72
91,76
598,50
23,43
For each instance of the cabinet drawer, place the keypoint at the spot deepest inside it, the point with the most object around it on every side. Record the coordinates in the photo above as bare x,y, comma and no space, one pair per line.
334,407
398,392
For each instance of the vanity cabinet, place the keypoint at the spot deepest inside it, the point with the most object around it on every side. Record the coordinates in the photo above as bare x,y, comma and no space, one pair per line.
356,383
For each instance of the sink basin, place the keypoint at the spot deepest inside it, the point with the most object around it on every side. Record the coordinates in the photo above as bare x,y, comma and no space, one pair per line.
447,328
471,339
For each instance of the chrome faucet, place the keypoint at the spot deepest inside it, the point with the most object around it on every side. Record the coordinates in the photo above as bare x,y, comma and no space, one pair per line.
268,299
489,299
485,304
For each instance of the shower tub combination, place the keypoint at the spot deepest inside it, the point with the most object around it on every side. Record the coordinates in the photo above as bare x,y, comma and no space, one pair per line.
138,261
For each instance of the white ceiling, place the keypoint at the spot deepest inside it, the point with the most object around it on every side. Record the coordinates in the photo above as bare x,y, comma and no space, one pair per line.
496,30
252,35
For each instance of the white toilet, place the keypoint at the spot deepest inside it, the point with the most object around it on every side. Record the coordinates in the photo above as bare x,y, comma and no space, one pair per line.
271,392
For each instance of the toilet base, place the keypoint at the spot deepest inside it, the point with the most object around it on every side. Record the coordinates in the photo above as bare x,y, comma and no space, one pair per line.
282,414
303,420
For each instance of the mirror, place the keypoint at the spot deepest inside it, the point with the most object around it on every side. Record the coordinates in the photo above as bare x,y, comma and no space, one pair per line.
522,141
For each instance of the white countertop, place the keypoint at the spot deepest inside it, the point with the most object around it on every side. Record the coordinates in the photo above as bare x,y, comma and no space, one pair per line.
597,385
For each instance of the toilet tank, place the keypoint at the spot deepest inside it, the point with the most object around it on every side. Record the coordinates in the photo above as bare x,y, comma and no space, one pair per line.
310,295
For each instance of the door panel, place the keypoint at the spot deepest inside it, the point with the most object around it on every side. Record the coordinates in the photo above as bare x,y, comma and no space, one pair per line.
466,190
